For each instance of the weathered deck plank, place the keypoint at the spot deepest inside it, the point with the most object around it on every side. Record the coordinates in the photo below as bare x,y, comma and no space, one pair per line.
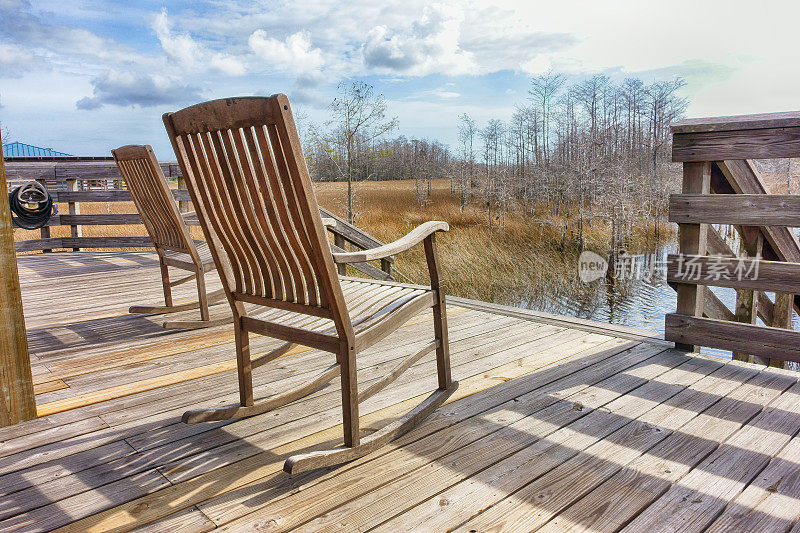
425,467
164,448
560,424
268,463
636,486
704,492
767,503
495,484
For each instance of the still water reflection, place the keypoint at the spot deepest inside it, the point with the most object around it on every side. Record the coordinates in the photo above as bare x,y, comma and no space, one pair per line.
639,301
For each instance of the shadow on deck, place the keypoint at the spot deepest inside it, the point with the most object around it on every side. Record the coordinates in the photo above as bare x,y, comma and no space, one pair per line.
559,424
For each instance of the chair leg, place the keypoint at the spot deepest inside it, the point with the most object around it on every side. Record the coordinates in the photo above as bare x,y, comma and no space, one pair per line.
347,363
202,297
353,446
243,362
165,283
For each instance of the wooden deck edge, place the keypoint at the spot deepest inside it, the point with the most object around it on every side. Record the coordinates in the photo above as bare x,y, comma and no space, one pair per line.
624,332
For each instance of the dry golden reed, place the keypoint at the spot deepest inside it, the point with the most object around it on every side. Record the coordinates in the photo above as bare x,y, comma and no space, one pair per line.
511,266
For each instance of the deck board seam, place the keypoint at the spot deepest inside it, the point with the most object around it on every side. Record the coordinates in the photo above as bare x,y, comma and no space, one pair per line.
101,395
512,494
571,322
677,365
132,436
159,468
90,411
333,392
711,451
95,413
719,445
495,406
219,366
500,455
755,476
628,520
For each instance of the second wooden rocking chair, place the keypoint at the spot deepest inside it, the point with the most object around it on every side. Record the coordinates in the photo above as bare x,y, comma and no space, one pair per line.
170,235
249,183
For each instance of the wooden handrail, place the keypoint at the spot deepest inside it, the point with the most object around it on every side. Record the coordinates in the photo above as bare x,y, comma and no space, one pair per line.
715,155
766,136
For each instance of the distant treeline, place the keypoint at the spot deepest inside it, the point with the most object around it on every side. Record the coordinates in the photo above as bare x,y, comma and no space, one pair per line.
590,150
399,158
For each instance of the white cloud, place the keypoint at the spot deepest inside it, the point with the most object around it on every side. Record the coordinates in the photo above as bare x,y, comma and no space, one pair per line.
59,44
430,45
181,48
16,60
294,55
291,46
190,54
537,65
227,64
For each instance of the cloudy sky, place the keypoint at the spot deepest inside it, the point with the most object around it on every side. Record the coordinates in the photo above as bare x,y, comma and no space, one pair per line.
86,76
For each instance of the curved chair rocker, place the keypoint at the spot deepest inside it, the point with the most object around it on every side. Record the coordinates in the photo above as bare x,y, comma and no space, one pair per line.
249,183
170,235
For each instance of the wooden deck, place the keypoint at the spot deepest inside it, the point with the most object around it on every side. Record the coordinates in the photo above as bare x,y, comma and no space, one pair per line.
558,424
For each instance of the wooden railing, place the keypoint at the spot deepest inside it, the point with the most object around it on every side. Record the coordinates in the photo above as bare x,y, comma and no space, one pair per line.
66,181
721,186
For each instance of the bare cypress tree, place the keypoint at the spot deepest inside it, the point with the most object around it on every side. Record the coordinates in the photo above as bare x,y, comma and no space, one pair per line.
466,134
664,107
358,116
491,144
543,89
594,149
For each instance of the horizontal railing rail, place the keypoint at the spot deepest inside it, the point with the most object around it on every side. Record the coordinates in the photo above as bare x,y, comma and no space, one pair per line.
63,179
722,187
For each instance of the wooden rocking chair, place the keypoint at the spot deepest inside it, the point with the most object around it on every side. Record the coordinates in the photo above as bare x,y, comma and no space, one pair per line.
170,235
250,186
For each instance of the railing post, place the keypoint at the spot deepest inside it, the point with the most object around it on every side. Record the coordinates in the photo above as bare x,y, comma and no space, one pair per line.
44,231
17,402
746,299
75,230
338,240
386,266
782,318
183,206
692,239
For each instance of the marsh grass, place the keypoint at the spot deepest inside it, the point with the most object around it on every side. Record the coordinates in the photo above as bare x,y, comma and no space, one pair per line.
520,264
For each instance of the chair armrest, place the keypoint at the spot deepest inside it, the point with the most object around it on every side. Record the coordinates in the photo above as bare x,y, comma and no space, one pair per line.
414,237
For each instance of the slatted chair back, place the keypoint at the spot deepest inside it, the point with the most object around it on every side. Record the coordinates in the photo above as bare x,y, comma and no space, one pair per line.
153,198
247,175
